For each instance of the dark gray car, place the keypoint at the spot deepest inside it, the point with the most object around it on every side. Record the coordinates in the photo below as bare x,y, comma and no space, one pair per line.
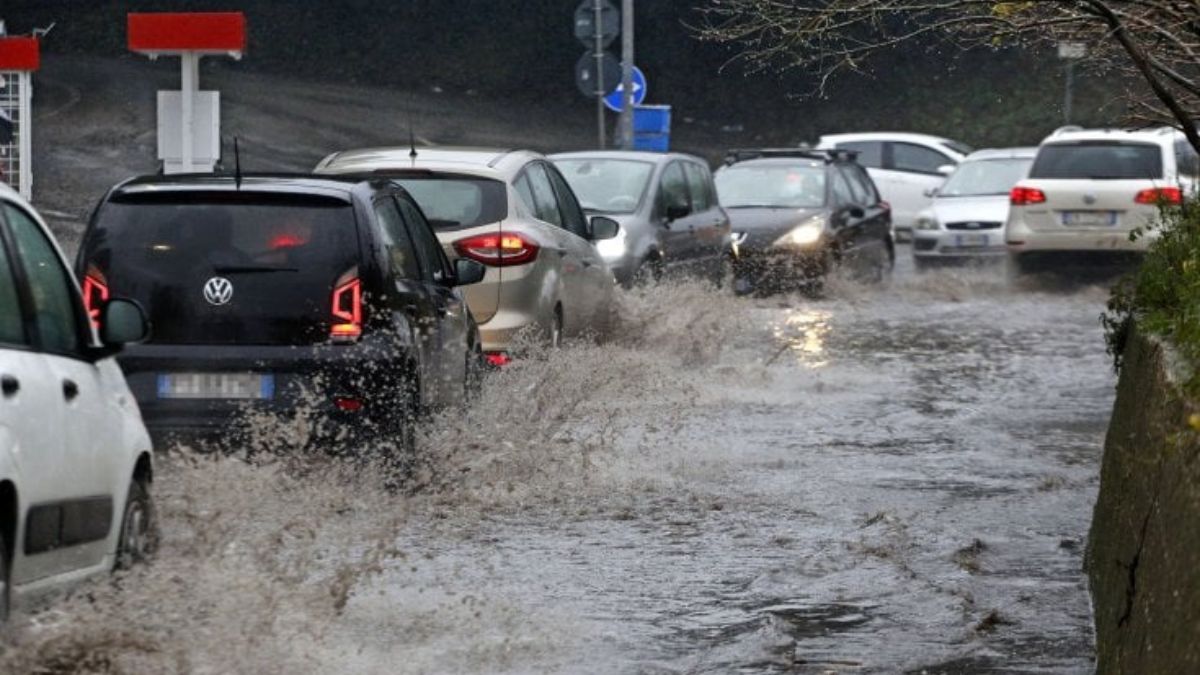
666,205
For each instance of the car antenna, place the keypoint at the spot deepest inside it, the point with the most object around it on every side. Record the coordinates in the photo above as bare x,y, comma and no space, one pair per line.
237,164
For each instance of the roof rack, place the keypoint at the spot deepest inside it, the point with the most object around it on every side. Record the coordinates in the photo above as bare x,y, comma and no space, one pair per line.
828,155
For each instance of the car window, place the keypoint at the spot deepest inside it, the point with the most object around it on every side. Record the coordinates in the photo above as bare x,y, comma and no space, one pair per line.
429,251
1187,161
1098,160
858,190
457,202
52,289
673,189
545,203
870,153
917,158
568,205
697,179
841,189
12,324
400,250
525,193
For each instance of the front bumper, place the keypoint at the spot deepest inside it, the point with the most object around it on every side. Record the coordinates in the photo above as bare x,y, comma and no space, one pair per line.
778,267
958,244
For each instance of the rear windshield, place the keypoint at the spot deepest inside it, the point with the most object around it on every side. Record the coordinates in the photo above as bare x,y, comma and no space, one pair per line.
984,177
1098,160
452,202
281,258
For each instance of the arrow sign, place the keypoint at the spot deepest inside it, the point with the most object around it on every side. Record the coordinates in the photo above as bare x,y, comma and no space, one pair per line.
614,100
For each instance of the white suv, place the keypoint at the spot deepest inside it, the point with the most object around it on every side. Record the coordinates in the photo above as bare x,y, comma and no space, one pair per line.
75,459
1089,188
906,168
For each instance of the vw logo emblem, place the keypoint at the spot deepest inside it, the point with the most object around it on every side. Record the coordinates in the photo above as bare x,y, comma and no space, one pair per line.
1089,199
218,291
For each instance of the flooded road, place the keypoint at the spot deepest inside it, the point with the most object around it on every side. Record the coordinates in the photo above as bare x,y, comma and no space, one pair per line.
882,480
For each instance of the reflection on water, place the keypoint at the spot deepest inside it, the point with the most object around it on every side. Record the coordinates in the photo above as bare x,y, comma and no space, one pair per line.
803,332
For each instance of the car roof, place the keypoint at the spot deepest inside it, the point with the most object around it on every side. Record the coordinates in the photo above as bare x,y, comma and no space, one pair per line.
885,136
492,162
781,161
330,186
628,155
1002,153
1076,134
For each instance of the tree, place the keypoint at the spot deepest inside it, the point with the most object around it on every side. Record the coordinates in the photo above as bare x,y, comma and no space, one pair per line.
1153,42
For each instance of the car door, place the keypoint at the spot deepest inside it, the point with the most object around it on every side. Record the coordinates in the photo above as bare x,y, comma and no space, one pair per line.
871,157
571,272
848,218
914,174
70,468
679,233
876,221
451,314
711,230
596,278
411,298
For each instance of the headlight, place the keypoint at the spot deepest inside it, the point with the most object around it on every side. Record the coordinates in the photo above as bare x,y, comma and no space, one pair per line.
926,223
808,232
611,249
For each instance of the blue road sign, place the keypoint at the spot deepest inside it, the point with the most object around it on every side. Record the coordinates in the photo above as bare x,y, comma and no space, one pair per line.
613,100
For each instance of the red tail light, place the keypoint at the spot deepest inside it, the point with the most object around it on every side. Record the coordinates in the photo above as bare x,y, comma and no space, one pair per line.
347,309
1023,196
498,250
348,403
95,294
1167,195
498,359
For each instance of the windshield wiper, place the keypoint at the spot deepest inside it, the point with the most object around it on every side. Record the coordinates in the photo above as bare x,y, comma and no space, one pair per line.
252,269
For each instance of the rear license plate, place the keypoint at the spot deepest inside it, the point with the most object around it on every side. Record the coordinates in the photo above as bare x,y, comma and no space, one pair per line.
216,385
971,240
1089,218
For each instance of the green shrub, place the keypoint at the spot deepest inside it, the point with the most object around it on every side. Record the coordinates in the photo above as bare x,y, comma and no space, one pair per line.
1163,296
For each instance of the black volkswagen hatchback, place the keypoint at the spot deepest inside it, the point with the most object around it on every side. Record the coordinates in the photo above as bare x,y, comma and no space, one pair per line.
323,299
795,214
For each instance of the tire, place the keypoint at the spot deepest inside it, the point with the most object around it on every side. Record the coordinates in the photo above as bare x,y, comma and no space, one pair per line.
138,540
650,271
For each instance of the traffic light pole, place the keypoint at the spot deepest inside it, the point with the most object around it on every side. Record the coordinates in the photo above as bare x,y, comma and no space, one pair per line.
599,74
626,122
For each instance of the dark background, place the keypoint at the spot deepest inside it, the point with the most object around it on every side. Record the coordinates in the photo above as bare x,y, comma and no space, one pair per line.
525,52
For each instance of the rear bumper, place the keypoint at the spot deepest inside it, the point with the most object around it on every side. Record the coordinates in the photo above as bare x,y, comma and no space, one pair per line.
1020,237
307,381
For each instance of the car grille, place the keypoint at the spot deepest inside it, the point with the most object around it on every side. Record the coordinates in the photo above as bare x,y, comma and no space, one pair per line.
924,244
974,225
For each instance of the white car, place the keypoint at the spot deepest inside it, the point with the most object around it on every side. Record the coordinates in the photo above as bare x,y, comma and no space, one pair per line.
904,166
75,458
1088,189
966,219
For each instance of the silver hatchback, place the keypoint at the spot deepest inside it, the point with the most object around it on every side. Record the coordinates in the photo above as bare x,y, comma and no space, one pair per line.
512,211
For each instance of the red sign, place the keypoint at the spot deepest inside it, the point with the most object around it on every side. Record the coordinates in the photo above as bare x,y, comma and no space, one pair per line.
216,32
19,53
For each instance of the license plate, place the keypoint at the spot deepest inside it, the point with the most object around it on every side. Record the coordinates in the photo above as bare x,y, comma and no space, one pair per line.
216,385
1089,218
971,240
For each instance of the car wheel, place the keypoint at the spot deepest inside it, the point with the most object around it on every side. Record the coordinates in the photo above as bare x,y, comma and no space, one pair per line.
724,272
139,528
650,271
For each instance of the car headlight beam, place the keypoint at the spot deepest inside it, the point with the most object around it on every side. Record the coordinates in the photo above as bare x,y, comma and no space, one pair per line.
805,234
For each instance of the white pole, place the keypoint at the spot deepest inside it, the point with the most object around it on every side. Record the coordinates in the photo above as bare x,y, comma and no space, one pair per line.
25,136
191,83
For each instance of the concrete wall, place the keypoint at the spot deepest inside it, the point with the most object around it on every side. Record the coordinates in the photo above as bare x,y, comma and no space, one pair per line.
1144,549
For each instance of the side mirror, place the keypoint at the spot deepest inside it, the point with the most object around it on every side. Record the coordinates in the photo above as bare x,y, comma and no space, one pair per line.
856,212
946,169
123,322
467,272
603,227
931,192
677,211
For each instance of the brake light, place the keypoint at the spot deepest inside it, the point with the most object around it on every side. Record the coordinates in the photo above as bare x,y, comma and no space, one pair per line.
95,294
1023,196
498,250
347,309
348,403
1167,195
498,359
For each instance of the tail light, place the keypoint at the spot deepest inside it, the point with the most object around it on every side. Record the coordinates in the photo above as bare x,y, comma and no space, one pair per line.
95,294
347,309
1023,196
348,403
1167,195
498,359
498,250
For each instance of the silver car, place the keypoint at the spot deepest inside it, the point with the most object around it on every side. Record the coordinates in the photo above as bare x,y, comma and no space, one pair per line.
666,205
512,211
966,219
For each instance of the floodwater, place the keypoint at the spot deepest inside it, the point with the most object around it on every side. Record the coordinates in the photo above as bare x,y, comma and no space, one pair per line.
882,480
